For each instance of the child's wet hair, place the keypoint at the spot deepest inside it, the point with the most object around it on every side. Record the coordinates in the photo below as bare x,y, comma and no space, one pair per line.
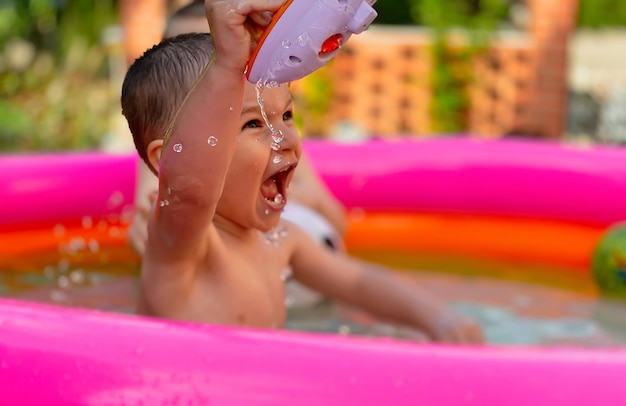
158,82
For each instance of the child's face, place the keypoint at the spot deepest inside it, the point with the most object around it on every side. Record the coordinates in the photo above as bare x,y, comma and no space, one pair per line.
256,185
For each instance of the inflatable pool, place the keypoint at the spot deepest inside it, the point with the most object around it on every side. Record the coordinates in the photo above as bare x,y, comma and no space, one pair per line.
517,200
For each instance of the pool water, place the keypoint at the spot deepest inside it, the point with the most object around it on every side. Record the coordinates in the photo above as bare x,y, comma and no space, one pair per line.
511,312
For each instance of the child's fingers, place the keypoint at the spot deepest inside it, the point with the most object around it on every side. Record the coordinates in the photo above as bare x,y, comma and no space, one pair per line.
260,8
260,11
261,19
236,25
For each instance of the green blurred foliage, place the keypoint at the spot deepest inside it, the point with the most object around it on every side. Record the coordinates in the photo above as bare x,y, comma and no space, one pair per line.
452,61
55,91
452,71
394,12
601,13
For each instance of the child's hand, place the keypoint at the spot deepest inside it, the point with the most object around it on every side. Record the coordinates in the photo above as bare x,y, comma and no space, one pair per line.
449,327
235,25
137,234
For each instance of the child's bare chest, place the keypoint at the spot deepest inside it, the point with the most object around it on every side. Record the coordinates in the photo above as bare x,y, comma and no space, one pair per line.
249,290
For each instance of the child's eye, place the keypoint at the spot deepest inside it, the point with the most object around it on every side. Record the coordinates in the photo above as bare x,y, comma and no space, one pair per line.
252,124
288,115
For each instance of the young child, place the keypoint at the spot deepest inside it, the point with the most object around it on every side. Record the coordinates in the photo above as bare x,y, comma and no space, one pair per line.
217,248
311,205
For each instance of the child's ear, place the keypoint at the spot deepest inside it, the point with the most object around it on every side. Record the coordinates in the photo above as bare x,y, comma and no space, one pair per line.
154,154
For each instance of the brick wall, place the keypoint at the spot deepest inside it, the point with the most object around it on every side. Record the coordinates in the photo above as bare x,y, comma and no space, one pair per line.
142,22
380,80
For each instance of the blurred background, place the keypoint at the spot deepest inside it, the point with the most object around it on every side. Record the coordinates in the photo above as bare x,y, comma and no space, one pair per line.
489,68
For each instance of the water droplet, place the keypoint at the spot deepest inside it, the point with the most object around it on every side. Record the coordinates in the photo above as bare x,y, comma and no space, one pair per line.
48,272
278,136
115,200
277,159
231,108
286,274
278,198
272,85
63,265
59,230
94,246
274,146
77,276
58,296
267,211
288,301
63,281
178,147
87,222
212,141
115,231
102,225
275,236
286,44
76,244
164,203
303,39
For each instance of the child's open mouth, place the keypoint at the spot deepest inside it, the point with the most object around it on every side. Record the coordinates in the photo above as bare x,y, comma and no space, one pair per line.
274,188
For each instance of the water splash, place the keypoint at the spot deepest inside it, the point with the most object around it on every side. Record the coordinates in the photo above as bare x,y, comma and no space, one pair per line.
277,135
178,147
279,198
277,159
276,236
272,85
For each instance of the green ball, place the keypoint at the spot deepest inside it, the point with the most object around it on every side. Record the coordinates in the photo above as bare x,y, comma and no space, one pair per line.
609,262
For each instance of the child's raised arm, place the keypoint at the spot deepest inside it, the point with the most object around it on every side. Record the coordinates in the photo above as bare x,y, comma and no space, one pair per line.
199,148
